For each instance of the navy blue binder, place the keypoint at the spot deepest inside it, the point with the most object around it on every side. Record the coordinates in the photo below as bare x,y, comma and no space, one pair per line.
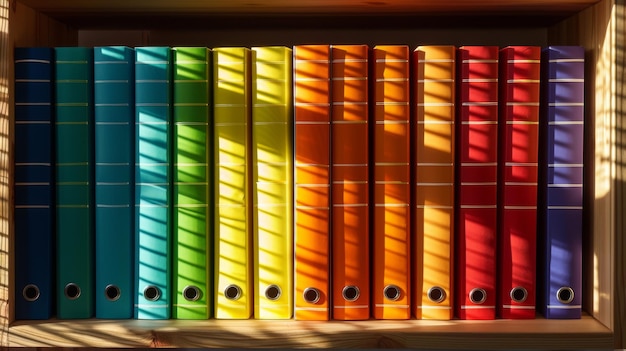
34,177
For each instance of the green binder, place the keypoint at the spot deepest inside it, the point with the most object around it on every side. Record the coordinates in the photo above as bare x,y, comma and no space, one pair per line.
191,235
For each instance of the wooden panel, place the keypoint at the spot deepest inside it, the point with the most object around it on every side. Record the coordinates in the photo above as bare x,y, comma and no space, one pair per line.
307,6
519,334
6,103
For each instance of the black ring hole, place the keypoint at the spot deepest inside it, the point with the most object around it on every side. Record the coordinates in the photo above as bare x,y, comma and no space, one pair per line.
192,293
232,292
152,293
72,291
351,293
312,295
565,295
436,294
112,292
273,292
478,296
392,292
519,294
31,292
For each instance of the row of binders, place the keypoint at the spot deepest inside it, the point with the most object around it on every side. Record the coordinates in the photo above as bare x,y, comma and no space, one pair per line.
315,182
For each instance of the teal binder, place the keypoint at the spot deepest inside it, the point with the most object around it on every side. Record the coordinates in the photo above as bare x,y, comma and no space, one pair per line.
114,154
74,182
152,182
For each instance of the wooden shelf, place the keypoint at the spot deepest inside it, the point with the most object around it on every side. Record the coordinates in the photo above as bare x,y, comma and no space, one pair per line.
524,334
308,6
598,25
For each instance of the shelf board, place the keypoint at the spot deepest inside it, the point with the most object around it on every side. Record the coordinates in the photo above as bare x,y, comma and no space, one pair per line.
308,6
586,333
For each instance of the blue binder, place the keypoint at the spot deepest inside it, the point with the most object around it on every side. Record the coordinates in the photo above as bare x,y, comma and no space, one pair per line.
561,183
152,183
74,182
114,172
34,201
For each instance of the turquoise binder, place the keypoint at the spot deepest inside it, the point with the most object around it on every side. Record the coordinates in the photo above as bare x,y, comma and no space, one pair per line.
152,183
114,154
74,182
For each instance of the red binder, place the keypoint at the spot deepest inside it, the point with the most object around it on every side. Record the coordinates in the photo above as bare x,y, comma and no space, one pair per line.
312,181
392,190
350,173
477,135
517,180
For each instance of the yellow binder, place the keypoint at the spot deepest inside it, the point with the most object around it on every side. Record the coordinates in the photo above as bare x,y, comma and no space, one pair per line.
233,231
434,211
272,181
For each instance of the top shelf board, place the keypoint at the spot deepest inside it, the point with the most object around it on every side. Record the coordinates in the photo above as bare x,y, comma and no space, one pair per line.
212,7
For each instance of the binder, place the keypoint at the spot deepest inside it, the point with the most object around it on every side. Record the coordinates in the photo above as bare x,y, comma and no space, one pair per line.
33,178
191,270
477,136
517,180
233,210
272,181
152,182
434,77
350,183
561,184
114,92
312,182
74,152
391,218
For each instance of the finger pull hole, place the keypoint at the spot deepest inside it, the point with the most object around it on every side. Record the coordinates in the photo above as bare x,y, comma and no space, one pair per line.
312,295
192,293
436,294
565,295
31,292
351,293
392,292
478,296
152,293
233,292
273,292
112,292
72,291
519,294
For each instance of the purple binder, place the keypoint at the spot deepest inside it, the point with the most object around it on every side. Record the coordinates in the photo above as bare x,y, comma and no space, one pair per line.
561,186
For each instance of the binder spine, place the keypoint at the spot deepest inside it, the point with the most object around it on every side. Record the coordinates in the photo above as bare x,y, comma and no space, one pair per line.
433,218
75,219
477,133
152,183
114,180
312,182
192,294
391,183
272,128
233,215
517,180
350,183
33,179
562,127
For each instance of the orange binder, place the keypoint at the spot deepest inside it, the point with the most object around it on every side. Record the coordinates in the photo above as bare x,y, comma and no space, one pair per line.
349,173
391,163
312,181
433,216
